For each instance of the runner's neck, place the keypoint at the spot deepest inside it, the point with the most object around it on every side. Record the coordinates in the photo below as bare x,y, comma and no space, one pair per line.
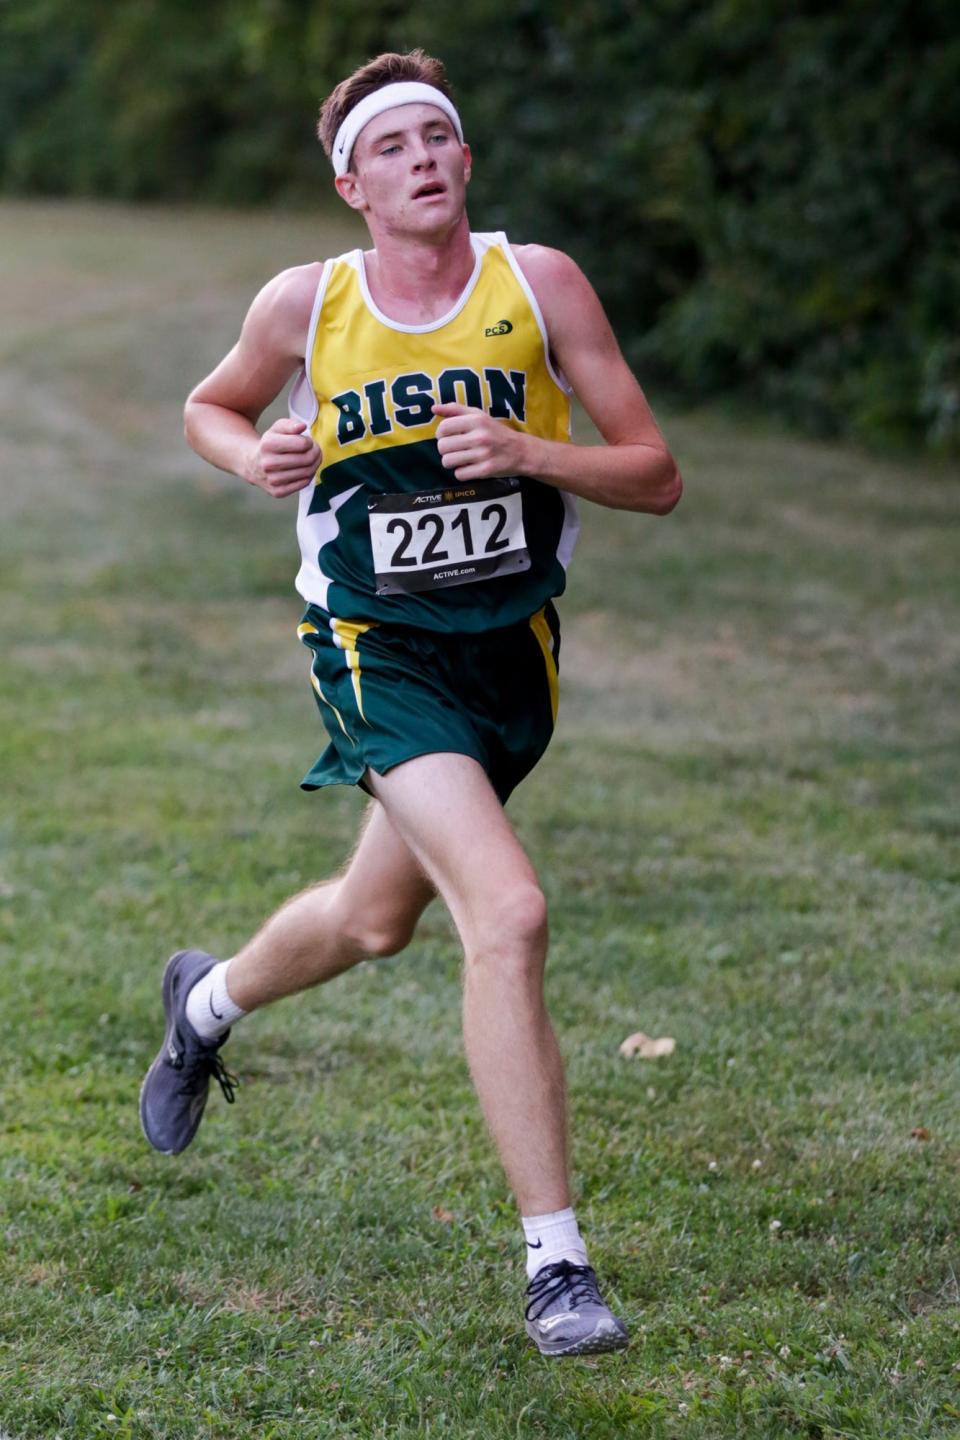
417,282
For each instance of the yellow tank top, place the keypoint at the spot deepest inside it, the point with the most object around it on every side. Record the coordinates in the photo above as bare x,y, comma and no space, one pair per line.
366,392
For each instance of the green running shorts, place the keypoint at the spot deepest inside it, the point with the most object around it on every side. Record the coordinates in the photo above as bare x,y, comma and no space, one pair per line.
390,693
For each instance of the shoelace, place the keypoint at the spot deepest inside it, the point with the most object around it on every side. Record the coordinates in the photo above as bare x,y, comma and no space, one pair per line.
205,1063
576,1282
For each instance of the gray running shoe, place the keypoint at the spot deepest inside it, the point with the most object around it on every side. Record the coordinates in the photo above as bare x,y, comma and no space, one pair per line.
566,1314
174,1094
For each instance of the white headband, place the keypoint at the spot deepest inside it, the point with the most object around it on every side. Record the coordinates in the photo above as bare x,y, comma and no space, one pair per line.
388,97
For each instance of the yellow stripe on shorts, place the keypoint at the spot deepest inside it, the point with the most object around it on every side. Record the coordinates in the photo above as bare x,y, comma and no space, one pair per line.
541,628
347,633
307,629
316,685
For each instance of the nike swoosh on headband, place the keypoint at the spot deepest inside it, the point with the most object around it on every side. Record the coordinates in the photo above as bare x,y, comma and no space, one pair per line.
388,97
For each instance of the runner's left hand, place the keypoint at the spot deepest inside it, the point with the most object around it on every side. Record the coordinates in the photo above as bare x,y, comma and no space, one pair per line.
475,446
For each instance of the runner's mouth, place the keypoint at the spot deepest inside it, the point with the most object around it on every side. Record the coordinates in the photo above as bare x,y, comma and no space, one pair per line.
433,187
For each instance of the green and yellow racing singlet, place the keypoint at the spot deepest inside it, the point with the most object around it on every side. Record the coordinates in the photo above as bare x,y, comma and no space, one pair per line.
386,533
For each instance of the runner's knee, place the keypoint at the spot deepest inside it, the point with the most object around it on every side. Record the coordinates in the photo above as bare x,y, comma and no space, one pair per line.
381,934
379,942
511,929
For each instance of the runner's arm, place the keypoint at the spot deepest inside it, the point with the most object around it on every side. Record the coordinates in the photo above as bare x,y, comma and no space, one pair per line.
221,412
633,469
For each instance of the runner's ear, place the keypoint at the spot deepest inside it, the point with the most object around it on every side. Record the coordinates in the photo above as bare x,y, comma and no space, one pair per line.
350,189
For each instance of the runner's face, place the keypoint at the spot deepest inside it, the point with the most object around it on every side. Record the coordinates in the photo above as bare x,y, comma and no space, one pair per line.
409,171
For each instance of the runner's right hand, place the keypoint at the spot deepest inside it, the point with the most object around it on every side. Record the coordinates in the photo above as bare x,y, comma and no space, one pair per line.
286,459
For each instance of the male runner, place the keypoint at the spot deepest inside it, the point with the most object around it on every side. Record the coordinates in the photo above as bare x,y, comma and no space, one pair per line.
429,440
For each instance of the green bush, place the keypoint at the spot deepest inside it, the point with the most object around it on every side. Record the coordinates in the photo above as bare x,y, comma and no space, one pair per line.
767,195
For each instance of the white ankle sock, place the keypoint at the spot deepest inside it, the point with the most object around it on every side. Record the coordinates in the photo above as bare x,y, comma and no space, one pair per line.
209,1007
553,1237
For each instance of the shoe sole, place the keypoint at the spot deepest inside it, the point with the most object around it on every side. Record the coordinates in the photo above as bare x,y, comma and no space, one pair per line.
164,1049
606,1337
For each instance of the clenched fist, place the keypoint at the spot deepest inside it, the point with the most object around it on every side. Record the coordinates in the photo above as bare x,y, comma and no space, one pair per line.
286,459
475,446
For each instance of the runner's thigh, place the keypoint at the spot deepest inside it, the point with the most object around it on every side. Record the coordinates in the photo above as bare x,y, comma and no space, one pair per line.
447,812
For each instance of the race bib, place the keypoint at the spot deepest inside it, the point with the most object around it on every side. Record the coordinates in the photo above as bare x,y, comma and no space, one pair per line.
429,539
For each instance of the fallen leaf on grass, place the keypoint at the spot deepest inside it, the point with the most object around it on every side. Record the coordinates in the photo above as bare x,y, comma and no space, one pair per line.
443,1215
646,1047
920,1133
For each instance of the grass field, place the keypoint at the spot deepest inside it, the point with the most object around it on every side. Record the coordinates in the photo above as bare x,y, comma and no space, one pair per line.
748,831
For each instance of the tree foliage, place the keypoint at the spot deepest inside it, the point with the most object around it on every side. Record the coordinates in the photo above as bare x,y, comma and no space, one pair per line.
766,193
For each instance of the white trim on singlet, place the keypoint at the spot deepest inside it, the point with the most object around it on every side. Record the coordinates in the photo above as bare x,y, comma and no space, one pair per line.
571,529
479,244
570,532
302,399
316,530
556,375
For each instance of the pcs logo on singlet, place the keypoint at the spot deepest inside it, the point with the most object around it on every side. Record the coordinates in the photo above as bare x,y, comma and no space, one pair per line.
408,400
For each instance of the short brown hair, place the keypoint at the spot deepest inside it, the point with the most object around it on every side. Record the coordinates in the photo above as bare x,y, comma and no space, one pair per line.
383,70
